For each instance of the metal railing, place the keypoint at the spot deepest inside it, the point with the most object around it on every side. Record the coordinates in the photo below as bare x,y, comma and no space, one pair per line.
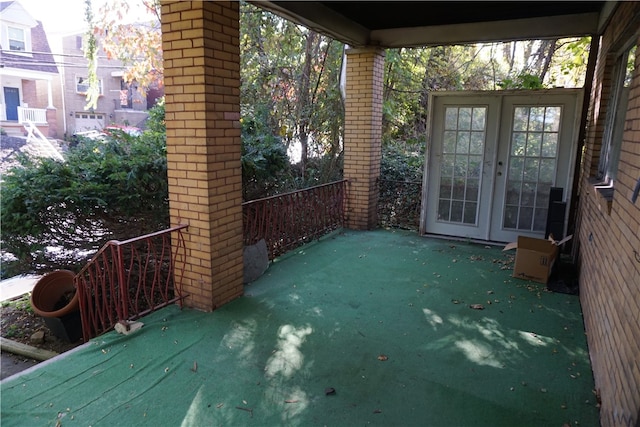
129,279
289,220
35,115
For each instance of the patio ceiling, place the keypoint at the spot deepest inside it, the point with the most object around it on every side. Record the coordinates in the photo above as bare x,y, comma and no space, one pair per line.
392,24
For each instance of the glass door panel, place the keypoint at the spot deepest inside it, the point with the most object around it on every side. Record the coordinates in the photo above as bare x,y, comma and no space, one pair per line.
462,151
532,167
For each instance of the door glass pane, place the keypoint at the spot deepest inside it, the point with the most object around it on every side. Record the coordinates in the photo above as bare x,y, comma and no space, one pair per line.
464,118
449,145
456,211
532,166
461,167
479,118
477,143
549,144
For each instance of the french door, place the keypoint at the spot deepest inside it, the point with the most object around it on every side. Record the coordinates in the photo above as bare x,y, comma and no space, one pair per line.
493,157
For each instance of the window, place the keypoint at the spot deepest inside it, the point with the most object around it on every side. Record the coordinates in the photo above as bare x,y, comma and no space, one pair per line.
17,39
614,125
82,85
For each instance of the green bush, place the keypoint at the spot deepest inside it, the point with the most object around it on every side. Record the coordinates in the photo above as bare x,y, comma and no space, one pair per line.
400,185
55,214
265,164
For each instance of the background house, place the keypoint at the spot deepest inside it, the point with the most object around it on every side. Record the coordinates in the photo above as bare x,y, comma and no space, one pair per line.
28,74
120,102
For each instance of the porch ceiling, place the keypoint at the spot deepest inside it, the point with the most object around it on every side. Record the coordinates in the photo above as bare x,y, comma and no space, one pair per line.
402,23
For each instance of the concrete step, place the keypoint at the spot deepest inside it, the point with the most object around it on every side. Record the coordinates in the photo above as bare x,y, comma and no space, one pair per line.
13,131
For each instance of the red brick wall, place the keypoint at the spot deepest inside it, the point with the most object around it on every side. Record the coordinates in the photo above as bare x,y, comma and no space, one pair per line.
200,41
29,93
363,135
609,251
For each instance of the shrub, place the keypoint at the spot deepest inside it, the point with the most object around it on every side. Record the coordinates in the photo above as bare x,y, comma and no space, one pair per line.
55,214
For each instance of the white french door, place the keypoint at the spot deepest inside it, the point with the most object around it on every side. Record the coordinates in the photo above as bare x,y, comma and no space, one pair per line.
492,159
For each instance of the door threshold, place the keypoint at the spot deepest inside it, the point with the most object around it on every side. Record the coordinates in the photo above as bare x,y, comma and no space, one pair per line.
463,239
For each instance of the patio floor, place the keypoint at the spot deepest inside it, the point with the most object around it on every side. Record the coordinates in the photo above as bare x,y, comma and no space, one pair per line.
383,317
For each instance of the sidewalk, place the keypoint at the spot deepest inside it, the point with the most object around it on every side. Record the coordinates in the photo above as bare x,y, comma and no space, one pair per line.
17,286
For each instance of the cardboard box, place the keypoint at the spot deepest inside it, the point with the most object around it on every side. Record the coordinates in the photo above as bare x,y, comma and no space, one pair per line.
535,257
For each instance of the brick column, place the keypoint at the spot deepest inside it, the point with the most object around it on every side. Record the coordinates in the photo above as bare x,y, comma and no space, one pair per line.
200,41
363,135
52,120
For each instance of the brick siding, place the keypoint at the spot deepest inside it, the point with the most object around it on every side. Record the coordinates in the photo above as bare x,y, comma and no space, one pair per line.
610,239
363,135
200,41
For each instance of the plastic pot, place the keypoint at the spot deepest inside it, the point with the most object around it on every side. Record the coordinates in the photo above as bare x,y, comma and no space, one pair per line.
54,295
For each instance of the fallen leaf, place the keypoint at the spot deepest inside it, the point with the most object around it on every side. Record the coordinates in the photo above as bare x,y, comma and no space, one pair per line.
219,405
329,390
477,306
383,357
377,411
195,366
291,401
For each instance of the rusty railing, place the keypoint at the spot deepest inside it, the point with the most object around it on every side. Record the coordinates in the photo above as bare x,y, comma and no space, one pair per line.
126,280
289,220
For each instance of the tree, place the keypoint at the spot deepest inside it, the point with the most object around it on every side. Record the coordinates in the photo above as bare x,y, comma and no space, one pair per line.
91,53
290,83
137,43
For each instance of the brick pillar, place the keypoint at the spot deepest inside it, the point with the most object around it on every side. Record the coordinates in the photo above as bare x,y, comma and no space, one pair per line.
52,120
363,135
200,41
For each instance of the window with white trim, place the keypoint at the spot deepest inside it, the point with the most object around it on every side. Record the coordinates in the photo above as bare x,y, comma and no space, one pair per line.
17,39
82,85
615,120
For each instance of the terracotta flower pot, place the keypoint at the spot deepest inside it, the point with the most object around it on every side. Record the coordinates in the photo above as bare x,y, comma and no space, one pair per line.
54,295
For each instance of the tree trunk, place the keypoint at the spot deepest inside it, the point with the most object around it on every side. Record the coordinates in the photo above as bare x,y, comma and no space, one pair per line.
304,100
547,59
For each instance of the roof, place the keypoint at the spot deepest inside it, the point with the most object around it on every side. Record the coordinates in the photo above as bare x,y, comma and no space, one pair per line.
404,23
4,5
41,59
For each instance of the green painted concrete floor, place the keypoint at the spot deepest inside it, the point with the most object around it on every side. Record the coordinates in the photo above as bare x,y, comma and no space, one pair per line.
383,318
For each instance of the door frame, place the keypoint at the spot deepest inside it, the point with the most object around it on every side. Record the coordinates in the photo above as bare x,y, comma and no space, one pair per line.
575,120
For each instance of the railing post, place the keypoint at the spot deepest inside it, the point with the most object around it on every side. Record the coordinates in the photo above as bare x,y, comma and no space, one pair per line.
123,311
